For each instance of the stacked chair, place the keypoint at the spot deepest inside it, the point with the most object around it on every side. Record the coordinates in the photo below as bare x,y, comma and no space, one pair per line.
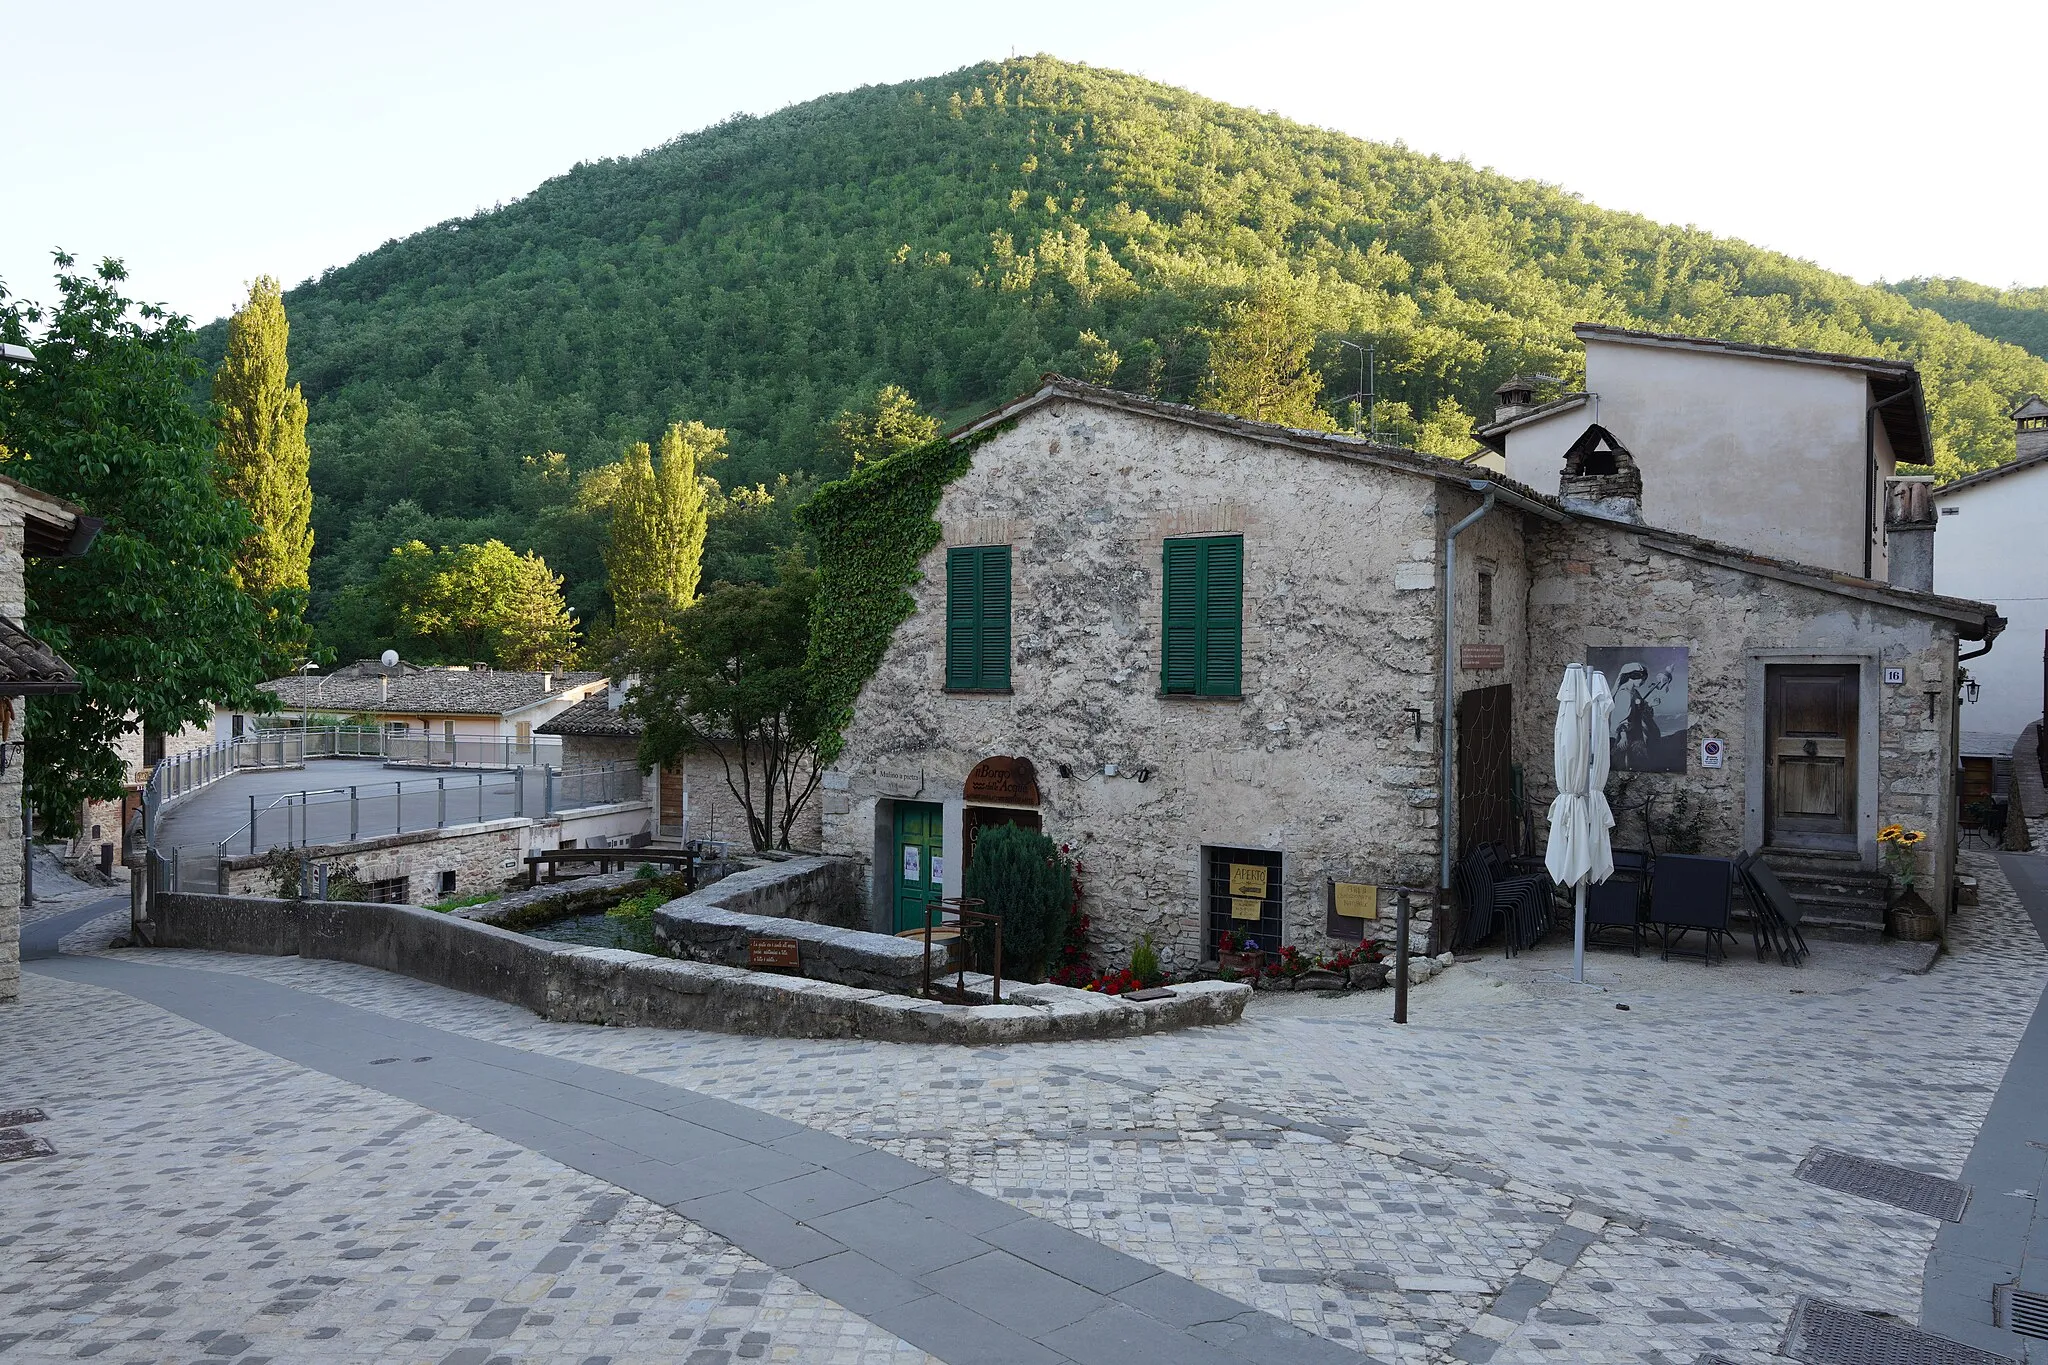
1689,893
1495,897
1618,902
1777,914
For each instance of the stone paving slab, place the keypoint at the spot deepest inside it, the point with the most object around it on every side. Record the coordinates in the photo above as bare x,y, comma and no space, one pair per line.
1400,1191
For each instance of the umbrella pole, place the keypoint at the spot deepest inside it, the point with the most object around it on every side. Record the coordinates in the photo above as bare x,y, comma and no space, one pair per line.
1579,937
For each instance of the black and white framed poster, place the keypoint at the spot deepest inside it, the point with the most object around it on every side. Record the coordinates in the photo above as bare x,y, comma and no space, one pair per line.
1646,733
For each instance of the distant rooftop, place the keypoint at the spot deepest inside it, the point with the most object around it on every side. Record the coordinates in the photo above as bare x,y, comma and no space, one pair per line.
593,717
409,690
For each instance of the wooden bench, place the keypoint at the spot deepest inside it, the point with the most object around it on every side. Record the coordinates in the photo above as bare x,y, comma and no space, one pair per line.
604,858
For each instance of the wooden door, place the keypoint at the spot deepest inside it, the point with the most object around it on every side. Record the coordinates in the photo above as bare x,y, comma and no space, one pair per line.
918,860
1486,768
1811,722
670,782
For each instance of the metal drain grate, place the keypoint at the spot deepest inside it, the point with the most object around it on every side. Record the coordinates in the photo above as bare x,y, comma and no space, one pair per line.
1828,1334
1886,1183
21,1149
2018,1310
14,1118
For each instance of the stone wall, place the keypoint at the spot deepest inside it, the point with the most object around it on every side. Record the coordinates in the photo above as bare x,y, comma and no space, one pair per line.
483,857
1319,759
14,606
607,986
1601,585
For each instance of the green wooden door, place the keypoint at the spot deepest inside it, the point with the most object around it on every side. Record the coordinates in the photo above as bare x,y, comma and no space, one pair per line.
920,866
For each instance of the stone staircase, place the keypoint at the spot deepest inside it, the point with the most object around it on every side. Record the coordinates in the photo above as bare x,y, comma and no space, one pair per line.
1839,896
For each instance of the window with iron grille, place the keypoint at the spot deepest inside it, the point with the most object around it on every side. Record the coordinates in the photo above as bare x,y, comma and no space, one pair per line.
1224,908
978,618
1202,618
387,890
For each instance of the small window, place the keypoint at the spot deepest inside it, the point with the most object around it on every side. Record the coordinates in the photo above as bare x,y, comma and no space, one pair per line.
235,724
447,884
1484,602
387,890
1249,908
978,618
1203,617
1950,511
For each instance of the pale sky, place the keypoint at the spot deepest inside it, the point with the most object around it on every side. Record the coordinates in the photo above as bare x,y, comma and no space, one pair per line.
205,144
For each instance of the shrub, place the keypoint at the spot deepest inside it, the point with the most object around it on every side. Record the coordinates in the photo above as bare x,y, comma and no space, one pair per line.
1145,961
1021,876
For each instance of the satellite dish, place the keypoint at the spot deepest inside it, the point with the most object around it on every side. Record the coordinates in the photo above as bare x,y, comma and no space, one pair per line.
390,658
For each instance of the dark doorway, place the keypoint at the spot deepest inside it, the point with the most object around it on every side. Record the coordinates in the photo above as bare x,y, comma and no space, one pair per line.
1486,777
1810,744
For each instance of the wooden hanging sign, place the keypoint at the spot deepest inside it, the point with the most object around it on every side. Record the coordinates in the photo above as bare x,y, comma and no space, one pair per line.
1006,781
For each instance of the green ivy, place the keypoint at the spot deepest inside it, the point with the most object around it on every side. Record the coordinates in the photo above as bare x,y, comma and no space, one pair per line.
872,528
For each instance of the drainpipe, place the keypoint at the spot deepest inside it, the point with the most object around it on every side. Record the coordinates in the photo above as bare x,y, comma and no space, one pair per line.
1449,728
1870,478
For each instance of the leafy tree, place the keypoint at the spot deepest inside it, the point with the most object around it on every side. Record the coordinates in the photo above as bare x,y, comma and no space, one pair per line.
888,422
474,603
152,617
1259,358
727,676
262,462
1020,875
658,516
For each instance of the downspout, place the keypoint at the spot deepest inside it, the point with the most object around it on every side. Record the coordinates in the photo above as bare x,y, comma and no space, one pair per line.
1870,478
1448,730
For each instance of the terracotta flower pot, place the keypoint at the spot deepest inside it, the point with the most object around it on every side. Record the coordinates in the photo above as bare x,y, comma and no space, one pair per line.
1246,965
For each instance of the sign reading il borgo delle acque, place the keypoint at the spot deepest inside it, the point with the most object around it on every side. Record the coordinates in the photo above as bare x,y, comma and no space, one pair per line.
1010,781
1652,691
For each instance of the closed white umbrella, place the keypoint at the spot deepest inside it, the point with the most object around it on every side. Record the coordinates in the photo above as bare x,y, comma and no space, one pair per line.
1580,851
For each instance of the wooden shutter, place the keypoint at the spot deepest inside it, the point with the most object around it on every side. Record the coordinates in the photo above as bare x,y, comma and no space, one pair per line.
1222,617
963,617
993,668
978,617
1180,654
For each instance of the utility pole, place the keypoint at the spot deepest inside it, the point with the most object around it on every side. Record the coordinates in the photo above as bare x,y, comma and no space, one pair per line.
1368,383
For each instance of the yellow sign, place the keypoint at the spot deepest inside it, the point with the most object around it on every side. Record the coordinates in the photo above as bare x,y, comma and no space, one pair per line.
1356,900
1241,908
1248,879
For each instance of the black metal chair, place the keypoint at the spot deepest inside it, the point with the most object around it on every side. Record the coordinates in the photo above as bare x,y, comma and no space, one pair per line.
1618,902
1515,904
1507,867
1687,893
1775,905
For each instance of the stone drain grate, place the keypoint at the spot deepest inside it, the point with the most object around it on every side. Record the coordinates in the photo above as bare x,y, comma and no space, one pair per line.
1828,1334
1888,1184
16,1145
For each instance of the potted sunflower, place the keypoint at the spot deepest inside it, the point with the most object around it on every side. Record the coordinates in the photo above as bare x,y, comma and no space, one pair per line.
1912,918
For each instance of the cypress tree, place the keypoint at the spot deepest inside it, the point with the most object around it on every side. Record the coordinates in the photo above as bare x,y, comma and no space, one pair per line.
261,459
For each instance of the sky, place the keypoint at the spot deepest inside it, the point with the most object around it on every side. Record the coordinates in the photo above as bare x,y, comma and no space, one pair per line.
205,144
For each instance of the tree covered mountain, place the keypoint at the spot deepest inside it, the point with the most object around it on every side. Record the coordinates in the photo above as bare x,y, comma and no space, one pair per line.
959,236
2016,315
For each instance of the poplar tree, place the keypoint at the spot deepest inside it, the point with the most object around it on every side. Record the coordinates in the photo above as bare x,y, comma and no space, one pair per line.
261,459
659,514
1259,357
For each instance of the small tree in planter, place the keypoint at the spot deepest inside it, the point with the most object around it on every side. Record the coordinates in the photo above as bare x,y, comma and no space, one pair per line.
1020,875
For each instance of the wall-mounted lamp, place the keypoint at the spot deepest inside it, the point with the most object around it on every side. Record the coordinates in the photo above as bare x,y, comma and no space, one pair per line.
1970,690
1144,774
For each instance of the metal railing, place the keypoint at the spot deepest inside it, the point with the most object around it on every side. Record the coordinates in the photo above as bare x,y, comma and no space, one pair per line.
458,751
182,774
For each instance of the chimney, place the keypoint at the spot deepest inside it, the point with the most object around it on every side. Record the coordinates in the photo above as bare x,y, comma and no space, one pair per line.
2030,422
1909,525
384,693
547,682
1600,477
1518,394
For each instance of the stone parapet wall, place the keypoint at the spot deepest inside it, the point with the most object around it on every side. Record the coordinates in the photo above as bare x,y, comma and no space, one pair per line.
483,857
607,986
814,902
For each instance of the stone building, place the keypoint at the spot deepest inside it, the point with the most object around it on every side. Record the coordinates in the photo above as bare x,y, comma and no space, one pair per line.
1211,655
32,525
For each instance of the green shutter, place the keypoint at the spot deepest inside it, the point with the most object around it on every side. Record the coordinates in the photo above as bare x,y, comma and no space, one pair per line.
978,617
1222,617
963,617
1180,656
1203,617
994,666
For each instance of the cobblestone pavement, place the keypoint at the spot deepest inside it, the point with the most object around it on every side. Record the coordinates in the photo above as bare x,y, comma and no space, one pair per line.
1530,1172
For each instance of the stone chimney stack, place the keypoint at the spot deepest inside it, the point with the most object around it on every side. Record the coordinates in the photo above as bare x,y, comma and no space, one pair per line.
2031,422
1520,393
1909,523
1600,477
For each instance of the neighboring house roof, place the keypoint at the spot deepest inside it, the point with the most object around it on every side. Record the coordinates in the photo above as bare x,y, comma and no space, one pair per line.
431,691
30,668
51,527
592,717
1997,471
1973,620
1905,423
2030,406
1494,434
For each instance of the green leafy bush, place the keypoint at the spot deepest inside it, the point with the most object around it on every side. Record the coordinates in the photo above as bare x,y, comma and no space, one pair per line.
1145,961
1021,876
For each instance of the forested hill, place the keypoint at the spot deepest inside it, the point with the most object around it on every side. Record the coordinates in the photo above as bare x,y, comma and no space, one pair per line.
959,236
2016,315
